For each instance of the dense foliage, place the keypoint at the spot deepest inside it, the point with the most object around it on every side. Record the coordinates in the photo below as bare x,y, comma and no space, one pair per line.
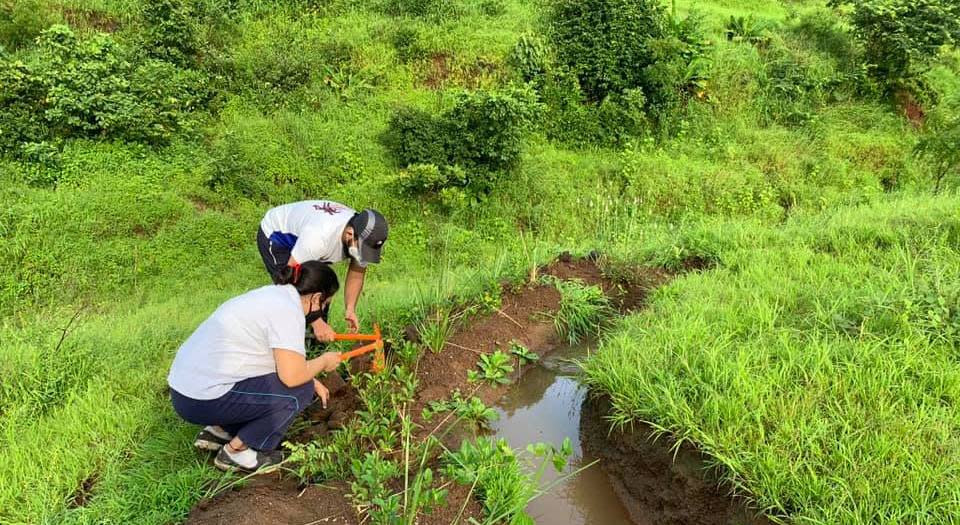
902,37
74,87
481,135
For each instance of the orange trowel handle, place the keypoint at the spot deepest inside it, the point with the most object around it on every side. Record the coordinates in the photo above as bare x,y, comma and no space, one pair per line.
376,345
375,338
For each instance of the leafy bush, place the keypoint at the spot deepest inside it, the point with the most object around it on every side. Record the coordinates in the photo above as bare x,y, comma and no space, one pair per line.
940,145
902,37
93,88
406,41
487,128
529,57
170,30
466,146
615,46
415,136
606,42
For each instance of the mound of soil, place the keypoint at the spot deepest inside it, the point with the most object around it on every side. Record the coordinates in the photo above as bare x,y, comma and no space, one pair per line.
523,316
656,484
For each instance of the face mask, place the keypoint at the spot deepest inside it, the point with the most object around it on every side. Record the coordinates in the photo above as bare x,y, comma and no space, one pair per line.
313,315
354,252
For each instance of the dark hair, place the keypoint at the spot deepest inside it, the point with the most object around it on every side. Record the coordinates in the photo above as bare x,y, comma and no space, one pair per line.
311,277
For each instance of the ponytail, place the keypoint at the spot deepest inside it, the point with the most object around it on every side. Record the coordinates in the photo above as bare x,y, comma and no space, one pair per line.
310,277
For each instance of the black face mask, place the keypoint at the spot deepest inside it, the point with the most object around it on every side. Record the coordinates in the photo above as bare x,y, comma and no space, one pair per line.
313,315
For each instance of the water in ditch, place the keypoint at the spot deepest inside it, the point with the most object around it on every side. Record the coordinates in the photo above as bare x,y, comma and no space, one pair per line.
545,406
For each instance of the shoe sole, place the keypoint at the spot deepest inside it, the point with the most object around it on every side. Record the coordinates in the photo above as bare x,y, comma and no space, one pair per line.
226,467
203,444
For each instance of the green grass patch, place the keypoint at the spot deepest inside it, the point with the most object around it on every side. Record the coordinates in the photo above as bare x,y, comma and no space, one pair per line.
817,365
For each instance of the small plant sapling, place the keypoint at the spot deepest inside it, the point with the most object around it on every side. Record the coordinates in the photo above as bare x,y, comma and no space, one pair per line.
472,409
494,368
524,355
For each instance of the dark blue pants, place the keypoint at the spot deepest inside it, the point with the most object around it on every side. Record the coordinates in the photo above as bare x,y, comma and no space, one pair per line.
275,256
258,410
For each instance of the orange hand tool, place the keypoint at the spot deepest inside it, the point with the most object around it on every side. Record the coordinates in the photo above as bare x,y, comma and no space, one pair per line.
375,344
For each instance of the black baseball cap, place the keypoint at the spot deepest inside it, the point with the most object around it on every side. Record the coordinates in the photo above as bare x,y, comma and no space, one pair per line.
370,230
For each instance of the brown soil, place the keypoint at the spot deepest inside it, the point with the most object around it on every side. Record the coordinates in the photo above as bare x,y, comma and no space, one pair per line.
523,317
269,499
655,483
910,107
84,491
439,71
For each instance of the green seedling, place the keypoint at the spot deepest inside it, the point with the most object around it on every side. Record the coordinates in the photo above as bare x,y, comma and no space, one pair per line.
472,409
370,489
436,329
494,368
524,355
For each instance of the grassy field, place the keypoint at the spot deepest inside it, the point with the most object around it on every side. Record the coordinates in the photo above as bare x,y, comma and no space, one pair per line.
814,362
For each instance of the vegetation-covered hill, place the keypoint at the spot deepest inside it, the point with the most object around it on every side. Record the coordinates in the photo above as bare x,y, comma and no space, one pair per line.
141,141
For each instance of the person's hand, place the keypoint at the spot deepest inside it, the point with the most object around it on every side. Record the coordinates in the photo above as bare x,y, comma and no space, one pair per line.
323,331
331,360
322,392
352,324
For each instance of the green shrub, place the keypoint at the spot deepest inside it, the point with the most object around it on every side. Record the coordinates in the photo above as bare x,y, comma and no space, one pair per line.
901,38
415,136
482,133
487,128
170,30
406,42
606,42
529,57
940,145
21,94
93,88
21,21
613,46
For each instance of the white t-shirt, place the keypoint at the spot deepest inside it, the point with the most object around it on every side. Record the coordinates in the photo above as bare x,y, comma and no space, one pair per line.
311,229
236,342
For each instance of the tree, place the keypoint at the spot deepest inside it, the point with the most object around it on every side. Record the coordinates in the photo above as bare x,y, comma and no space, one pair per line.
902,37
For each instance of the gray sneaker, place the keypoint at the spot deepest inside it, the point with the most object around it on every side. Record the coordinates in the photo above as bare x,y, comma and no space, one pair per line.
212,439
247,460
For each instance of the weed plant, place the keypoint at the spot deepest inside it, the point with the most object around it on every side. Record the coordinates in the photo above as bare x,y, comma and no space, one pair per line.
494,368
583,310
472,409
523,354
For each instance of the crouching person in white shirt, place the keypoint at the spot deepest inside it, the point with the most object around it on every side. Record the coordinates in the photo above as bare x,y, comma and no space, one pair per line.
244,373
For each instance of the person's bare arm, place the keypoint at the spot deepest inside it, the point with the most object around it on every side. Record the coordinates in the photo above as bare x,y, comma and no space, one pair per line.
351,292
295,370
323,331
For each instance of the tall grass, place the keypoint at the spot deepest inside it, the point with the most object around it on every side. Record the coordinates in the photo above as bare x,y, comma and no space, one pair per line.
818,369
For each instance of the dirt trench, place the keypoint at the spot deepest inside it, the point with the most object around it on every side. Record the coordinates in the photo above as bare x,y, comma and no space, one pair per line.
523,316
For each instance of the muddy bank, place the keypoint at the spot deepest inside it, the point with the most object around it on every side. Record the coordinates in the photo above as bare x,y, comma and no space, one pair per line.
657,485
